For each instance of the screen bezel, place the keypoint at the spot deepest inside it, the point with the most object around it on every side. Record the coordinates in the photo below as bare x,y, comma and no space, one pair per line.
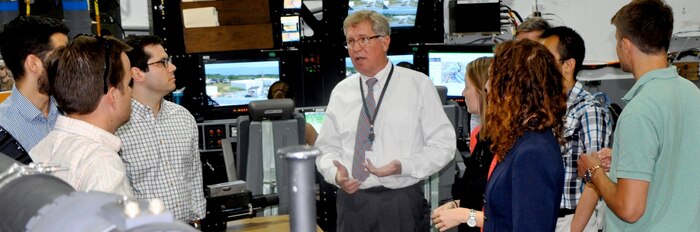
298,31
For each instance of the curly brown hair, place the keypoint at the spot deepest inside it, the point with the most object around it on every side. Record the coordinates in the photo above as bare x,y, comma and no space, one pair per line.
525,94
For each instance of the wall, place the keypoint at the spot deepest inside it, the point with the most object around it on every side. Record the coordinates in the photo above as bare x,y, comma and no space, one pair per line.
591,18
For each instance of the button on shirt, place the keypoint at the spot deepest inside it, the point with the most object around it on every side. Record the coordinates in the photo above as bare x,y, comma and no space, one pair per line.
410,126
161,156
89,153
24,121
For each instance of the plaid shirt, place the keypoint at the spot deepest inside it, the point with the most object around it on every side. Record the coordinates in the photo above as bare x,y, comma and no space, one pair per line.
587,129
161,157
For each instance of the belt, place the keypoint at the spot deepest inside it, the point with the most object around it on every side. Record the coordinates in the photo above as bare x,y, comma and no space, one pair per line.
564,212
381,189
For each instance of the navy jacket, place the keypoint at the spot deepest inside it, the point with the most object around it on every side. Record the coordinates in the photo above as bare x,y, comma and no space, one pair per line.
524,191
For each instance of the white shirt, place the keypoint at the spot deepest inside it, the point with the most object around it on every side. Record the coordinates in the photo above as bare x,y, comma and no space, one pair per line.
89,153
411,126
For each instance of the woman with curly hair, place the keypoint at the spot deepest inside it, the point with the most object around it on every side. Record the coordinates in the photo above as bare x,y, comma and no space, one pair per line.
524,121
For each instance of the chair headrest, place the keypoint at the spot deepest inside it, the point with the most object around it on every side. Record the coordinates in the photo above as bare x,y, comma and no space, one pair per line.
442,93
273,109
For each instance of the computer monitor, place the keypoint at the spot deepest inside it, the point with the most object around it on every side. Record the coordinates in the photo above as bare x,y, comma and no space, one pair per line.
314,116
290,29
292,4
238,82
449,69
401,13
395,59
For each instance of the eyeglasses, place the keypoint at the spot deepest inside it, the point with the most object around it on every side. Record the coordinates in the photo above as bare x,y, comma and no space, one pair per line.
362,41
165,61
106,66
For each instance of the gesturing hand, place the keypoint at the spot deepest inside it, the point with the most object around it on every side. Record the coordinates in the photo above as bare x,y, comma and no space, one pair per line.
393,168
348,185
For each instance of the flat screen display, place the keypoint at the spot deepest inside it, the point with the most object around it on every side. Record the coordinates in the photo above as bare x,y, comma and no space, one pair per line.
315,118
449,69
239,82
292,4
395,59
401,13
290,29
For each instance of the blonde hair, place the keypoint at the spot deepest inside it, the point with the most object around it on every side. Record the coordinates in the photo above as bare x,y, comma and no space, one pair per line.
478,74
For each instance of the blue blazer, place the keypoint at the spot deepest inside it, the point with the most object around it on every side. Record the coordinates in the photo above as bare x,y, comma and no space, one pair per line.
524,191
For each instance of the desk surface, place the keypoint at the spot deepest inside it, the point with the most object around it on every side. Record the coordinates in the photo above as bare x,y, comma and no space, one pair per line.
262,224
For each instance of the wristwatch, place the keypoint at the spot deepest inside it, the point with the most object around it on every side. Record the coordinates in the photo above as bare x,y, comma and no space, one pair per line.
471,221
589,173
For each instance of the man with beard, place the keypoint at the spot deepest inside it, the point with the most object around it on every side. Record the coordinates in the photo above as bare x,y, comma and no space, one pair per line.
30,113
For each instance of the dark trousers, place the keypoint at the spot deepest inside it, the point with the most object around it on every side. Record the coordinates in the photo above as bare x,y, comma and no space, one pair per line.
383,209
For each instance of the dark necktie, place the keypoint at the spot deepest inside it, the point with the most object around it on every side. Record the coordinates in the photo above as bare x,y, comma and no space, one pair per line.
362,142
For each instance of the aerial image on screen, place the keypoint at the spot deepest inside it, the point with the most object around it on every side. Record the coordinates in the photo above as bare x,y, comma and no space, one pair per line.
401,13
315,119
238,83
292,4
395,59
449,68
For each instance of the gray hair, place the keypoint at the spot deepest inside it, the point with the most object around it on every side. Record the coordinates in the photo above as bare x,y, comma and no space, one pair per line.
380,24
533,24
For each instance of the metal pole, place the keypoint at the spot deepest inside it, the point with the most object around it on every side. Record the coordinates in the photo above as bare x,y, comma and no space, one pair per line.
301,163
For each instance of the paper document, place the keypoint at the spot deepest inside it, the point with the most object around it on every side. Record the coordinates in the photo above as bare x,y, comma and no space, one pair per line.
200,17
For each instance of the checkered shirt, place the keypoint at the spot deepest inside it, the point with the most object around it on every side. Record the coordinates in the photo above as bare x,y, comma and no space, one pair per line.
161,156
587,129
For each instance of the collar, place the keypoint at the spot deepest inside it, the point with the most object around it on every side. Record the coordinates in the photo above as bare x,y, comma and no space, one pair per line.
28,110
574,94
381,76
144,111
87,130
664,73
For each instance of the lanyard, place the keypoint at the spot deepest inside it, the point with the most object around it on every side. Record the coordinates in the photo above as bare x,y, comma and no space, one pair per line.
379,103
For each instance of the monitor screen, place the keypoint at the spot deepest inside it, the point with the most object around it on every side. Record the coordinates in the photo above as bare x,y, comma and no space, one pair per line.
395,59
401,13
314,116
449,69
292,4
230,82
290,29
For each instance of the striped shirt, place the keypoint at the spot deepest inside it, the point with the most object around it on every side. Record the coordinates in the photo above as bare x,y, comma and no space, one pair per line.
24,121
161,156
587,129
89,153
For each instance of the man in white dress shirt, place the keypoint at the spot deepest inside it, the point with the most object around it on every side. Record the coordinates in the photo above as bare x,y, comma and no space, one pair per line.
91,85
385,131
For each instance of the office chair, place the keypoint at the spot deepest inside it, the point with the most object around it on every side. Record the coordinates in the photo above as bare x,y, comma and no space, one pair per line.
270,125
439,187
